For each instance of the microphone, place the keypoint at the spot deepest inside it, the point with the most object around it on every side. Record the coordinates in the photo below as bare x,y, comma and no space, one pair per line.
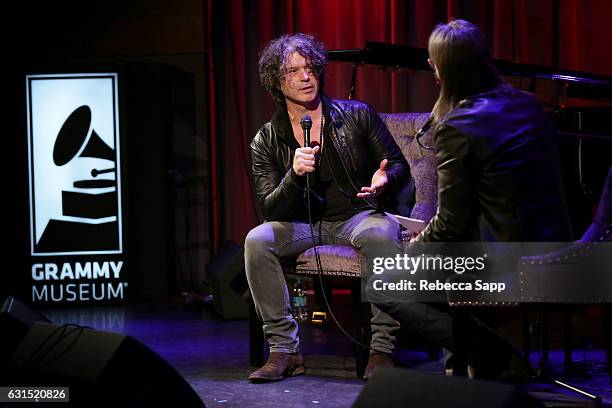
306,124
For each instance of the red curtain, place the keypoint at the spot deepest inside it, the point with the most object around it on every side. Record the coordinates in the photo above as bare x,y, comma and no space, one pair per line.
520,30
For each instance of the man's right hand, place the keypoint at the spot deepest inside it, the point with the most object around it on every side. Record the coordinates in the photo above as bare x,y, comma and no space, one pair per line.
305,159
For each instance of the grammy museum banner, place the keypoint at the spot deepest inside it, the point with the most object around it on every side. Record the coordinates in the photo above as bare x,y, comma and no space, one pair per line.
75,194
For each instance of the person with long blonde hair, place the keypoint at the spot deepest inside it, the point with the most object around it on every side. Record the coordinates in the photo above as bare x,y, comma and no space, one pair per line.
499,178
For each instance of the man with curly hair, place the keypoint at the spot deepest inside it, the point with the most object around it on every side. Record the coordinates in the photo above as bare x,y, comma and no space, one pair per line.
354,168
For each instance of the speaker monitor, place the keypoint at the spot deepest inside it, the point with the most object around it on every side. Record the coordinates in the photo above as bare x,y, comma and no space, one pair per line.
15,321
101,368
394,387
226,269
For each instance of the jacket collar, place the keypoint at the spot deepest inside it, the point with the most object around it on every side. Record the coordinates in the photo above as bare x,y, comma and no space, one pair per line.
282,125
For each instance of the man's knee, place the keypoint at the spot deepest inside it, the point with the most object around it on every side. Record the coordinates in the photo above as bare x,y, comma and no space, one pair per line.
259,239
378,237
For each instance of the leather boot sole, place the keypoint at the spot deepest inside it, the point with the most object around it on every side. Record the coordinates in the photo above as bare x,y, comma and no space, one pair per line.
296,371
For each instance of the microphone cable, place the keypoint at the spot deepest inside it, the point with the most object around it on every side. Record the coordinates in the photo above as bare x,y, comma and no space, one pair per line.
306,124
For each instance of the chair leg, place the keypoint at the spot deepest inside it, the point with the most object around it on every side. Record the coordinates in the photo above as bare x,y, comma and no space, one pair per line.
545,364
607,321
526,332
327,289
568,339
256,337
361,328
460,340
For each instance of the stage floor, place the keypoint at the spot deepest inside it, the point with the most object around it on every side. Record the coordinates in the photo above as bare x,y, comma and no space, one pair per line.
212,355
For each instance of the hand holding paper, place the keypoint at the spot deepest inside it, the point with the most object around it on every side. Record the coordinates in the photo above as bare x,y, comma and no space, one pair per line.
411,224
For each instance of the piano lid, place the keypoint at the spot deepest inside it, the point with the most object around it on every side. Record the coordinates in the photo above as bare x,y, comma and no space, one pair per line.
576,84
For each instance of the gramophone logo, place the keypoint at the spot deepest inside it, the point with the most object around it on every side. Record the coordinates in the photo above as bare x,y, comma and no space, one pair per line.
75,184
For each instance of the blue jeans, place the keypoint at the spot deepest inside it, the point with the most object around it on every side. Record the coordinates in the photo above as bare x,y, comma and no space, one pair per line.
374,234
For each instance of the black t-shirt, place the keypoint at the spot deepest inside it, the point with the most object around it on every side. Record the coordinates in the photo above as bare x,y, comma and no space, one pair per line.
336,204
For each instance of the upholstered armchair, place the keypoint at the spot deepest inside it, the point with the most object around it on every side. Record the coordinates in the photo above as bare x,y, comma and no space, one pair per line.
575,274
345,261
580,273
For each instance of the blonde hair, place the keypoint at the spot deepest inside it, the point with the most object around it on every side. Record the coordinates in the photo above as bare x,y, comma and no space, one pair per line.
462,56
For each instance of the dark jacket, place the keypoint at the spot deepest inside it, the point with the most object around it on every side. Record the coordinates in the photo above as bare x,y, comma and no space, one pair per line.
361,140
499,175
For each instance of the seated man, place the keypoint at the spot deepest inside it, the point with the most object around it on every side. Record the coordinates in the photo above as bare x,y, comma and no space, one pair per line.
498,171
354,169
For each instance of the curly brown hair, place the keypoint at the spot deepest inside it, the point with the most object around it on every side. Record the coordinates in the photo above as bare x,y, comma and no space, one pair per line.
275,55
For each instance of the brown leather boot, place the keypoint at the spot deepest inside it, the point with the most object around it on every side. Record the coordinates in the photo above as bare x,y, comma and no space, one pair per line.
279,366
376,360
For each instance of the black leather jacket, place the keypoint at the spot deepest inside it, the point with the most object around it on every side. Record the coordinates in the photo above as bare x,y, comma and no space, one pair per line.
361,140
499,175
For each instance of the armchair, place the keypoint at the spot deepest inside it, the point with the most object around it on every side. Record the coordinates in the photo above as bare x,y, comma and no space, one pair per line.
577,274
